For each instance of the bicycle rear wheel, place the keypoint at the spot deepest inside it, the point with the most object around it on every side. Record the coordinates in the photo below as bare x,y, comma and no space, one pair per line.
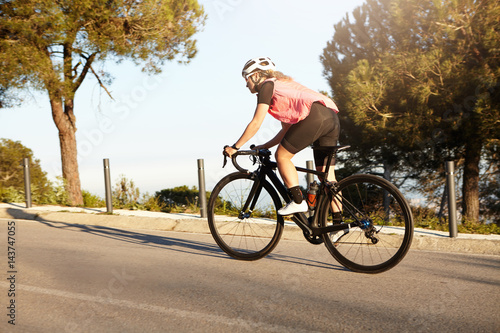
242,216
386,224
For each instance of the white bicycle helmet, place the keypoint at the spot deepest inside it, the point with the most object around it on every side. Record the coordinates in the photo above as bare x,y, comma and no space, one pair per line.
255,64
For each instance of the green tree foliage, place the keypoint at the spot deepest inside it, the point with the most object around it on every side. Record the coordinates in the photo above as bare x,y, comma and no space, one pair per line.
180,195
12,154
53,45
490,184
417,82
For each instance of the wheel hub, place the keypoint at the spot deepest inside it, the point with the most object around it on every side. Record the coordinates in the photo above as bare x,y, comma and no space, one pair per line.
370,231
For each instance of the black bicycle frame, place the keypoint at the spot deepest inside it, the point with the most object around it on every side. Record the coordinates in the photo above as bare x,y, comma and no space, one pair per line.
299,218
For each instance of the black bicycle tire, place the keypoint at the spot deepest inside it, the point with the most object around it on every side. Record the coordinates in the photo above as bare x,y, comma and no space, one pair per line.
213,225
406,211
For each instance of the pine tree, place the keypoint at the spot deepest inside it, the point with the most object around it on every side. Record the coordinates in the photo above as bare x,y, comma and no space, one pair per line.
53,45
420,80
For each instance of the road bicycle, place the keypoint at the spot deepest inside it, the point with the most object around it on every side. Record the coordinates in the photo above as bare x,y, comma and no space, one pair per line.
373,235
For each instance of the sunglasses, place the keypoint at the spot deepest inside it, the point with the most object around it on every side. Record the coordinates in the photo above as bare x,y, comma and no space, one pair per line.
249,76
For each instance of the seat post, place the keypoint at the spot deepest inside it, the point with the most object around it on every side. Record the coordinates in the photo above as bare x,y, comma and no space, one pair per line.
328,164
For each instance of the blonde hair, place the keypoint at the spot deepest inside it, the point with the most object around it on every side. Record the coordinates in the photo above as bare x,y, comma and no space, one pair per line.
267,74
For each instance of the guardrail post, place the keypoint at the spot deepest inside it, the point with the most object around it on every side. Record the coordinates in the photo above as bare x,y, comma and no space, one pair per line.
202,194
27,181
309,176
107,186
452,209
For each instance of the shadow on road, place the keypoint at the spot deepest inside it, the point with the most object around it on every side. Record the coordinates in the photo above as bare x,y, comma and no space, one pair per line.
171,243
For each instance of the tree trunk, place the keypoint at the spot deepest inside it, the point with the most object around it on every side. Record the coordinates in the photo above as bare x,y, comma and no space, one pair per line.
65,122
470,190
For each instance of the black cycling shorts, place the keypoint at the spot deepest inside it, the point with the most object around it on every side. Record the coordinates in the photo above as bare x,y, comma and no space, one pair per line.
320,128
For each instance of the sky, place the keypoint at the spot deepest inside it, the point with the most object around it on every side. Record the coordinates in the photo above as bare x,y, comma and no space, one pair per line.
156,128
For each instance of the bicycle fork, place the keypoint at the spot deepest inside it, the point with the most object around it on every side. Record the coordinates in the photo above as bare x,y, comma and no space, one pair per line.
248,207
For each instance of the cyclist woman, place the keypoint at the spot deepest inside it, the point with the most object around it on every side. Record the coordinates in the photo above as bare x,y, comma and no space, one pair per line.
307,117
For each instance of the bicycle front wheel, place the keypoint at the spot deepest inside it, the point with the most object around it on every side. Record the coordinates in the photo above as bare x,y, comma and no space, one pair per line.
385,224
242,216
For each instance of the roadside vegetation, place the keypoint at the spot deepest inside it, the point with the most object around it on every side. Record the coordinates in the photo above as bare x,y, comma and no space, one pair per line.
428,219
180,199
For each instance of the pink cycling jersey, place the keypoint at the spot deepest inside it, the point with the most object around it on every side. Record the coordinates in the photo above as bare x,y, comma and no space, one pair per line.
292,101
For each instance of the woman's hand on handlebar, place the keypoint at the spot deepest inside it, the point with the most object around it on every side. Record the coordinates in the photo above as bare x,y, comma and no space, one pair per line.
229,151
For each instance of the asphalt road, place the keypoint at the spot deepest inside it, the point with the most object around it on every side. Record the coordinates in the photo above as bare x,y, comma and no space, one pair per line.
71,278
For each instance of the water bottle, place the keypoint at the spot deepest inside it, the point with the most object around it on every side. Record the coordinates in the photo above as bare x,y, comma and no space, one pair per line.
311,194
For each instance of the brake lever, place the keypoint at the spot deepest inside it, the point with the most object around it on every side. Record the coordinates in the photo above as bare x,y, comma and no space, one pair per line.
225,156
254,158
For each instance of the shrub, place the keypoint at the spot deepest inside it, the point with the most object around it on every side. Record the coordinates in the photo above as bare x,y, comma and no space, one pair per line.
92,201
178,196
59,195
152,203
125,194
180,199
10,194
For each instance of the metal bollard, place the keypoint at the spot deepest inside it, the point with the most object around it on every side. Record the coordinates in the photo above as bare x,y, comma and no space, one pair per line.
107,186
202,192
27,181
310,176
452,209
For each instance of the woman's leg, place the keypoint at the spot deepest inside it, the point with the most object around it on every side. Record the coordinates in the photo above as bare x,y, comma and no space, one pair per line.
318,124
331,172
291,179
336,204
286,168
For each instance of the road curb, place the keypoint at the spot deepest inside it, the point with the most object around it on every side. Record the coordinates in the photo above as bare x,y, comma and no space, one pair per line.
481,244
477,246
110,221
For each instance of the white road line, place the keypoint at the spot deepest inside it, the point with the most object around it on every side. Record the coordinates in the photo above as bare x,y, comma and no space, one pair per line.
156,309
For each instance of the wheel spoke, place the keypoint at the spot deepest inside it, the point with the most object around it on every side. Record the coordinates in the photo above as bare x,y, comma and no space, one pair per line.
242,217
386,225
